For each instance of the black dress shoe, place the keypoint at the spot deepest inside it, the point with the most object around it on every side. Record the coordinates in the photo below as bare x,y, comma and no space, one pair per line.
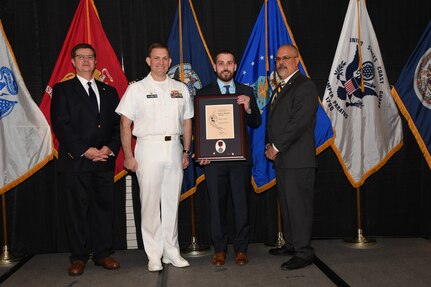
296,263
281,251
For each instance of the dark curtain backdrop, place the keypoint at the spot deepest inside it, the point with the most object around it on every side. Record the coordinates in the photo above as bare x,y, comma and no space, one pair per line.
396,200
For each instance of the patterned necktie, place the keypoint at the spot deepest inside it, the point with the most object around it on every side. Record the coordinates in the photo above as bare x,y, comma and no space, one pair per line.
274,98
227,89
93,97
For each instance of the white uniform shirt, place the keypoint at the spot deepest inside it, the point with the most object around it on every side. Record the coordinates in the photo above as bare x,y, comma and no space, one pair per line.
156,108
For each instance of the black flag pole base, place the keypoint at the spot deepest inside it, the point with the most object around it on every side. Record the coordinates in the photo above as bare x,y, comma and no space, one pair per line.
279,242
360,241
195,249
6,257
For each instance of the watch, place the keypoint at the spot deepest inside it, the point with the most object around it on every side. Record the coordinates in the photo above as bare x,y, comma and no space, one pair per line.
186,151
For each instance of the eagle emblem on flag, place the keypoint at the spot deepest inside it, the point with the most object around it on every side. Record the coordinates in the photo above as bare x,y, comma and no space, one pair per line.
8,86
349,89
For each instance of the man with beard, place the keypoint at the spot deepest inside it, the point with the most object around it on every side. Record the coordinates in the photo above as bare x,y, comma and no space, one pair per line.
230,178
290,137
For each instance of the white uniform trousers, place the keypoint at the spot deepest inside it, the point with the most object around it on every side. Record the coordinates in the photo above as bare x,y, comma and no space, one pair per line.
160,176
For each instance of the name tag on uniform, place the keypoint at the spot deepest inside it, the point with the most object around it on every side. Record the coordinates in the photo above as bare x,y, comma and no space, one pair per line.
151,96
175,94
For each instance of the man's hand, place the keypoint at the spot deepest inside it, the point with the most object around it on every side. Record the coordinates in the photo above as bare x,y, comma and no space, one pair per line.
185,160
244,100
130,164
105,150
104,153
270,152
204,162
94,154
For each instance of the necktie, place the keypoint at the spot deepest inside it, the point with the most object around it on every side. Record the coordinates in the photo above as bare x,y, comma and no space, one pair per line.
227,89
93,97
274,98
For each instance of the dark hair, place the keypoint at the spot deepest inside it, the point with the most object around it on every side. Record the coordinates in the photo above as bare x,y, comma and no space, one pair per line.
224,52
158,46
82,46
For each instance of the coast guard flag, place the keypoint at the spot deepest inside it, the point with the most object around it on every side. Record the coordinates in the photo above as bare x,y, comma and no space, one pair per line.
25,136
192,65
87,28
257,69
359,102
412,93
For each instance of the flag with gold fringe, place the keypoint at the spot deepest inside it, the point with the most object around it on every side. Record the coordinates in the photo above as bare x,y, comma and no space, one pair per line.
412,93
358,100
257,70
25,136
192,65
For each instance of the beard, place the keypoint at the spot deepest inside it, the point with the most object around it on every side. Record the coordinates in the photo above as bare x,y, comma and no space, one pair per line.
225,75
282,71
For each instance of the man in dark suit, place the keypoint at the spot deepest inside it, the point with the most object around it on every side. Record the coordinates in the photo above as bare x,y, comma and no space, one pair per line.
290,144
87,127
234,176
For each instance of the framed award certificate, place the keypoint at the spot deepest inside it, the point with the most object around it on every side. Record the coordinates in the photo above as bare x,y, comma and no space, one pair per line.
219,134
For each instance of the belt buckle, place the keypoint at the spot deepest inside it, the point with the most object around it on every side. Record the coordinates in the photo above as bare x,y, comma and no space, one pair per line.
167,138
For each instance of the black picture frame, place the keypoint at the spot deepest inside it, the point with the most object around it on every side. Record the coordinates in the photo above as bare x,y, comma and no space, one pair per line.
216,148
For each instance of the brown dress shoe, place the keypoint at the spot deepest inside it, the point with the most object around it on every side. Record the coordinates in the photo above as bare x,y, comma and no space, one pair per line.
218,259
108,263
76,268
241,258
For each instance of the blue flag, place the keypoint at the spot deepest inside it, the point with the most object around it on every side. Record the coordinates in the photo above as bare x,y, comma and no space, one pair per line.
192,65
257,70
412,93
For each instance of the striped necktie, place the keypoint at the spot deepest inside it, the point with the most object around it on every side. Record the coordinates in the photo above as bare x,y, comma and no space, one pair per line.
279,88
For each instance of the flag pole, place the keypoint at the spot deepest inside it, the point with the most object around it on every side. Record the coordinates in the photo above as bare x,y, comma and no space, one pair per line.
279,242
359,241
180,27
6,258
194,249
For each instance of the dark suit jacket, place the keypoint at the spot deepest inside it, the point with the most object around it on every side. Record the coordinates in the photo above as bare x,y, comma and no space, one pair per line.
253,120
291,122
79,127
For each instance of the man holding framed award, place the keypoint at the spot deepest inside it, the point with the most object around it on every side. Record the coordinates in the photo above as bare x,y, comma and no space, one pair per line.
229,176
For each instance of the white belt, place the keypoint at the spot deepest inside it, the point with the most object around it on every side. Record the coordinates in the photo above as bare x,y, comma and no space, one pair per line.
165,138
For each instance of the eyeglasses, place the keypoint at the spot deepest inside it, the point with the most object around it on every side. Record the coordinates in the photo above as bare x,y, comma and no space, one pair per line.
84,57
284,58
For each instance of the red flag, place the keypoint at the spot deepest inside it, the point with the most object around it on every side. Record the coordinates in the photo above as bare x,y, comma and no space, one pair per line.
87,28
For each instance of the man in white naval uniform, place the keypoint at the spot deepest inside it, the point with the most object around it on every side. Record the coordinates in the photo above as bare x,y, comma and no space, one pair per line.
161,111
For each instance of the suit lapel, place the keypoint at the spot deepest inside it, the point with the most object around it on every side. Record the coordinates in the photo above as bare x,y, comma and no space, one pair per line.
80,90
216,88
284,92
83,95
102,95
239,89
